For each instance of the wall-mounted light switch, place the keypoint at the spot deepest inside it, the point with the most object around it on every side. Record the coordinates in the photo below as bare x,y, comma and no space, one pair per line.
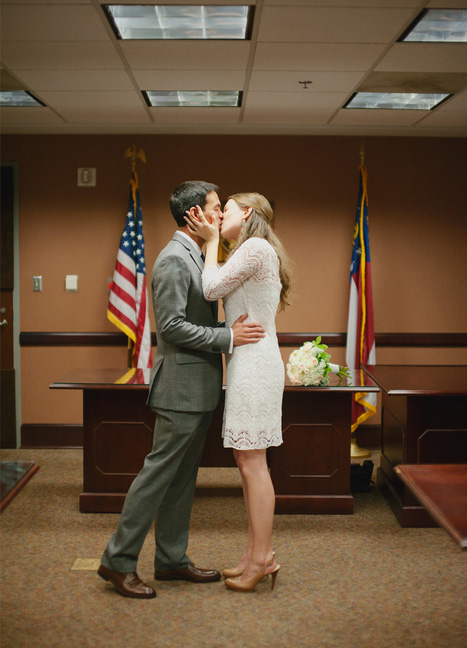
71,283
86,177
37,284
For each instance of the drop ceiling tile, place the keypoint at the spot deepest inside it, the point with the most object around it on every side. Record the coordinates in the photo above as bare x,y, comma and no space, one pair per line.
357,117
289,81
446,4
90,100
101,115
195,115
186,55
310,56
61,56
425,57
52,22
189,80
296,101
433,82
77,80
8,82
349,3
332,25
458,102
28,115
57,2
284,117
449,118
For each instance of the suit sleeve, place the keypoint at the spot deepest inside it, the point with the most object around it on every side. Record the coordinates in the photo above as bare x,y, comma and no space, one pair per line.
170,286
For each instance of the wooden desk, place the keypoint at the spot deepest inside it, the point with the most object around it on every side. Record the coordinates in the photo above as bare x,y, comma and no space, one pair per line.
310,471
424,421
442,489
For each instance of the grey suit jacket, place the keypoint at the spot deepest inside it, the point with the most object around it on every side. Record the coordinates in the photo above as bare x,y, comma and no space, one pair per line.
187,371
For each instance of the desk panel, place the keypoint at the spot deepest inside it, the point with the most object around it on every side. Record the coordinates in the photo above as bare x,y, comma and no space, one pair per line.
310,470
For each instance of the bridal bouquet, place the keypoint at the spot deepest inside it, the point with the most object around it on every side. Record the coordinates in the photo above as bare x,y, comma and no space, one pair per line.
309,365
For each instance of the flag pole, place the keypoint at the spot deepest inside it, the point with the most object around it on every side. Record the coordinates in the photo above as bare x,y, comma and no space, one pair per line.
132,153
356,452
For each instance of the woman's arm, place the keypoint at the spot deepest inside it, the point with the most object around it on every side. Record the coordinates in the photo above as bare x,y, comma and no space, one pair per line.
244,263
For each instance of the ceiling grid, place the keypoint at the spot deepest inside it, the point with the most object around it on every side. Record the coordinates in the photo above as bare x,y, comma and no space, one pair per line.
66,54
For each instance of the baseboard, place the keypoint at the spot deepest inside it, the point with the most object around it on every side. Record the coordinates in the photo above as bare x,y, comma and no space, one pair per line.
51,435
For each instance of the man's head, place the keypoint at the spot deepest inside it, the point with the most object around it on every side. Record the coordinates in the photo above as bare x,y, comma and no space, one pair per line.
188,195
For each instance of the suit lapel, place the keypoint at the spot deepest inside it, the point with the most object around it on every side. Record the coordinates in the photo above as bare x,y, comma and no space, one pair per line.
198,262
194,255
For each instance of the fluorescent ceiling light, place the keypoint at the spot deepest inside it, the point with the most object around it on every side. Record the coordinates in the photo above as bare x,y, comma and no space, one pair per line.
180,21
193,98
396,100
438,26
18,98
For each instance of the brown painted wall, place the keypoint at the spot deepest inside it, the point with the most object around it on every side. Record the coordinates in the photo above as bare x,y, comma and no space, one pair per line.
417,210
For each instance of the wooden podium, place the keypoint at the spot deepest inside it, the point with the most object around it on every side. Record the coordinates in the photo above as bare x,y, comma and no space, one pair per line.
424,421
310,470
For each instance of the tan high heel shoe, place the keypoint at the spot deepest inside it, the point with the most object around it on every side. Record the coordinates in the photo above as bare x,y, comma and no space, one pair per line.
235,572
249,585
232,572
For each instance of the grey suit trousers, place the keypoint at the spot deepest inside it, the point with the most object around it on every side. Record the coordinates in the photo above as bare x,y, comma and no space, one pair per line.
163,491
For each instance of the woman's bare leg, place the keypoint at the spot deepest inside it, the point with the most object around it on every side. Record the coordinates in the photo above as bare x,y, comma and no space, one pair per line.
249,545
261,501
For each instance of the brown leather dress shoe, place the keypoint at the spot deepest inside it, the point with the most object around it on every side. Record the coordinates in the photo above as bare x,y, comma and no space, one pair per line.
127,584
190,573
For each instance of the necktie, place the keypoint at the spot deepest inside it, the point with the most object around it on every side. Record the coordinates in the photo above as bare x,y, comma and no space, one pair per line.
203,258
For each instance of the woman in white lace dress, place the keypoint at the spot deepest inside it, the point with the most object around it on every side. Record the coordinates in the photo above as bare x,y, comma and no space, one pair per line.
254,282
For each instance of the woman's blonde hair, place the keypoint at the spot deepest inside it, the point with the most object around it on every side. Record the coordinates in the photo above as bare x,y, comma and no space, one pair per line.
259,224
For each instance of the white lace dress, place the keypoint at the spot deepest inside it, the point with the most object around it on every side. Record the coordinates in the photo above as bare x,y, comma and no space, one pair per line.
249,283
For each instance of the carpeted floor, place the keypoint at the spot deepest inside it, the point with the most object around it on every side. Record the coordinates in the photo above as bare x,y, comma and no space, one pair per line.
346,581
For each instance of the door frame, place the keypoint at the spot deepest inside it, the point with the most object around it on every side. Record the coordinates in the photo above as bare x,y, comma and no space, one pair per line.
16,299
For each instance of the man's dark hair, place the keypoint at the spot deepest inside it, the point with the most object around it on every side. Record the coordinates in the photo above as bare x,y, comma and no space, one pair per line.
188,195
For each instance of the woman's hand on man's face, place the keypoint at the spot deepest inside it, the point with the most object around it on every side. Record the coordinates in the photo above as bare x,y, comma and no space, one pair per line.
198,224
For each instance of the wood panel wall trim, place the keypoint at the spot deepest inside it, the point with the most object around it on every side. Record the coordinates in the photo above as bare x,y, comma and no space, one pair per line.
51,435
86,339
52,338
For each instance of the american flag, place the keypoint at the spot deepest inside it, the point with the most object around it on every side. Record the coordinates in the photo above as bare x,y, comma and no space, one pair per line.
360,326
128,301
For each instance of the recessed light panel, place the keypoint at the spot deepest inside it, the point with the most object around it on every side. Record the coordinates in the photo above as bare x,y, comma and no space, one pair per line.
438,26
18,98
179,21
193,98
396,100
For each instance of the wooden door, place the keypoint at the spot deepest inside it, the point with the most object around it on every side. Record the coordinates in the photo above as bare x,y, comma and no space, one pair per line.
7,369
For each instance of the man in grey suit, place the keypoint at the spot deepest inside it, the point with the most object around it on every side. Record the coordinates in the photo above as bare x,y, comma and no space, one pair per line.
184,390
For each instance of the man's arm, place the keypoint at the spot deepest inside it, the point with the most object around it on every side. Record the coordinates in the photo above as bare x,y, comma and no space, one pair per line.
170,286
170,293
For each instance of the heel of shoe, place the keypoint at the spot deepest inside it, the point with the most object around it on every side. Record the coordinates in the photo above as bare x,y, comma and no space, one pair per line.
102,575
274,576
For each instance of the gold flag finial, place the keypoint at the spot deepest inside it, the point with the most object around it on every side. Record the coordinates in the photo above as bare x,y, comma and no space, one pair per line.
362,154
133,154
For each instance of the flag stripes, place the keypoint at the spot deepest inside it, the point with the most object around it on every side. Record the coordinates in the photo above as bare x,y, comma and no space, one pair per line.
128,304
360,325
